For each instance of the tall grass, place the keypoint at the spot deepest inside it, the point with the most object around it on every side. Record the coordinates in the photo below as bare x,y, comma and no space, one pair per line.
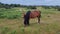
10,13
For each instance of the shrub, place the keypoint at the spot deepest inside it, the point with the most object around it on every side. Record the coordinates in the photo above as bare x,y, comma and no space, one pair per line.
58,9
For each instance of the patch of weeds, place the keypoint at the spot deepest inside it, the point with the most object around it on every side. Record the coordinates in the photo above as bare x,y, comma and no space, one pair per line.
4,30
13,32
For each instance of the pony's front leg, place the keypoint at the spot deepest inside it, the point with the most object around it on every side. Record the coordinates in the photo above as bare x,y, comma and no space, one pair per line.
39,20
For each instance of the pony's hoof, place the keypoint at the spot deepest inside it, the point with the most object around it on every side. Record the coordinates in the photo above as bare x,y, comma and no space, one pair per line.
38,23
26,25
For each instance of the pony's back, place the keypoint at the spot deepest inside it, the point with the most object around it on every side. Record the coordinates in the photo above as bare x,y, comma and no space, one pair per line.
34,14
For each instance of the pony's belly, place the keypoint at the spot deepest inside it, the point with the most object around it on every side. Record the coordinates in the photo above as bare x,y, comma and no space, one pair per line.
33,16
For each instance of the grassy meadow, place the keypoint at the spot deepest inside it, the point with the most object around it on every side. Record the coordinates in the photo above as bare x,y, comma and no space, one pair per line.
11,22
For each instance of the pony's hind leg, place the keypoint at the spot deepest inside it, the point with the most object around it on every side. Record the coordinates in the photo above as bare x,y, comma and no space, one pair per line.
39,20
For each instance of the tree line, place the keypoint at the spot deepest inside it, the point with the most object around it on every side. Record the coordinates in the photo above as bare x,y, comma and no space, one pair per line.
8,6
2,5
49,7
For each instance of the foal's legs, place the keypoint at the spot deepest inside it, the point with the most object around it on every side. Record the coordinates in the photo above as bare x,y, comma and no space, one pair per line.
26,21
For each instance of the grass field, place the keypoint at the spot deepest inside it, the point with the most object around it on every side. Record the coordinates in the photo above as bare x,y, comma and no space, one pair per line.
11,22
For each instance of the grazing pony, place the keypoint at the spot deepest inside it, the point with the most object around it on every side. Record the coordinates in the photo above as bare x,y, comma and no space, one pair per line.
30,15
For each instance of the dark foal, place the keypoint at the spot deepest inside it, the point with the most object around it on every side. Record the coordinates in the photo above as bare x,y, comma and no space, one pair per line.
26,18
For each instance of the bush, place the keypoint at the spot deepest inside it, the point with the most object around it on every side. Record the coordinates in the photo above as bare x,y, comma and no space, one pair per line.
1,15
31,7
58,9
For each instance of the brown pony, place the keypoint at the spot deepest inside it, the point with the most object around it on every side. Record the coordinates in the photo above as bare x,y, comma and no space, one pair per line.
31,15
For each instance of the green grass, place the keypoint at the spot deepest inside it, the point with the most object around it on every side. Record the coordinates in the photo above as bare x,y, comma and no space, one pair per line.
10,13
11,25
